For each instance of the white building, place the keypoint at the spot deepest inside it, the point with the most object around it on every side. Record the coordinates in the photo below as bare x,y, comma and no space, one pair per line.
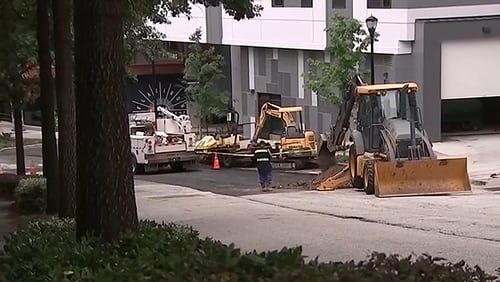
451,48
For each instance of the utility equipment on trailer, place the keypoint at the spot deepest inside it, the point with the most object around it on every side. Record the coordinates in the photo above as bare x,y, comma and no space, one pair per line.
280,127
161,142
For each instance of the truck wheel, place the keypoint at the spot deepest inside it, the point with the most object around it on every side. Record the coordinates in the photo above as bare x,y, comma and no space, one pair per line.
227,161
137,168
298,164
177,166
356,181
134,164
369,178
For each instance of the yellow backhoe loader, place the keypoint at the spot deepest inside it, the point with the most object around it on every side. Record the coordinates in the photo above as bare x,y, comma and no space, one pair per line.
390,153
277,127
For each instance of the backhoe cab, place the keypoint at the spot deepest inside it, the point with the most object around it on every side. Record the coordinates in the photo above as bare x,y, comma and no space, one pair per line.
391,154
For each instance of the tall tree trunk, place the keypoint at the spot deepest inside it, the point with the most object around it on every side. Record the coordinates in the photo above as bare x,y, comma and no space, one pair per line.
18,129
105,185
49,148
62,11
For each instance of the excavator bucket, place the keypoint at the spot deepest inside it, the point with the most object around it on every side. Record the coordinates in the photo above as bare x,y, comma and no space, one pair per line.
421,177
331,182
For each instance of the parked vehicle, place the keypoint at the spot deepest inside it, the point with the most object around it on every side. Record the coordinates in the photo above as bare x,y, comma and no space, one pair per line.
162,141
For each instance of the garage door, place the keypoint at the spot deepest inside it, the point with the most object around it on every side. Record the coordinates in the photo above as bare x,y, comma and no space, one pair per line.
470,69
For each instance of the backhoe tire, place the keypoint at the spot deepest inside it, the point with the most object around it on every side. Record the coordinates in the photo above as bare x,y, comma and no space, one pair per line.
356,181
369,178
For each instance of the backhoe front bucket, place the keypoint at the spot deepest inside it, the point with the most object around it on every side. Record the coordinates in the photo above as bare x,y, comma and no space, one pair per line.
421,177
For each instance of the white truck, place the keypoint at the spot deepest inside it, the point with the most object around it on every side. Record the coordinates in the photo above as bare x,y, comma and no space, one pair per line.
161,142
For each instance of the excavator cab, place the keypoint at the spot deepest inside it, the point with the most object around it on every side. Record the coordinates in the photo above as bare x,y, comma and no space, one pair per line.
284,127
292,130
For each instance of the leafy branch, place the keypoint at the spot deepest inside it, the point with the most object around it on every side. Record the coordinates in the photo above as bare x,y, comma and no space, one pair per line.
347,41
141,37
203,70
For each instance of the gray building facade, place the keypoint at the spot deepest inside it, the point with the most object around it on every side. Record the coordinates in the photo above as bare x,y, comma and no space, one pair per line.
277,71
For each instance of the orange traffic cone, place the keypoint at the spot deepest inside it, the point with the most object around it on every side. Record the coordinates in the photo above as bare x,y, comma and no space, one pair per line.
32,169
216,162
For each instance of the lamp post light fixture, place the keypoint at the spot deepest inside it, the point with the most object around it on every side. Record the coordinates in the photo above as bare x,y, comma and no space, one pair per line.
371,24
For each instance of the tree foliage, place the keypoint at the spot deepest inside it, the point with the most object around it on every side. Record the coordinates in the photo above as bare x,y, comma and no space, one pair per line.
347,40
18,56
203,70
140,14
18,48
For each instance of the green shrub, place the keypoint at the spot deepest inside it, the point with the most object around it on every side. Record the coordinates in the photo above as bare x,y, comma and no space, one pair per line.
48,251
30,194
8,182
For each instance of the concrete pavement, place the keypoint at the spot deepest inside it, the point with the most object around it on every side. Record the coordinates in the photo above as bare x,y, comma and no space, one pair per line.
483,154
341,225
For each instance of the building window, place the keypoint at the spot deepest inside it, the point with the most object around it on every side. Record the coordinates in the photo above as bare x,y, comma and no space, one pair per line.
303,4
306,4
338,4
278,3
379,4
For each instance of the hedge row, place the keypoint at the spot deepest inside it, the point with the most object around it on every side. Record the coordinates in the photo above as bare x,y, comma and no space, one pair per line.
29,192
46,250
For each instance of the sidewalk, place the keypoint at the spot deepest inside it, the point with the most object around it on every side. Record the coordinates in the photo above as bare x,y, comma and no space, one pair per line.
482,153
340,225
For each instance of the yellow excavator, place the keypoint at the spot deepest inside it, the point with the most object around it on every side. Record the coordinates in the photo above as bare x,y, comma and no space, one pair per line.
390,153
277,127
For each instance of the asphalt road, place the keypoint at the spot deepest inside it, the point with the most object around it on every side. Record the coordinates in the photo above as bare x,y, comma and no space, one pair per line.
233,182
32,153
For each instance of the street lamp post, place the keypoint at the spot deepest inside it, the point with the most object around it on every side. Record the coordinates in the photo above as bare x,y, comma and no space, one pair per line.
371,24
155,101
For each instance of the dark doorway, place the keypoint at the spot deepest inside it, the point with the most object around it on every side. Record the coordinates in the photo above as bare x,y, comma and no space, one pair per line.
273,127
271,98
470,116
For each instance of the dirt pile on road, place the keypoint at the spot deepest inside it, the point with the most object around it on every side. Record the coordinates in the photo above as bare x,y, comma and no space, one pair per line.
326,174
300,185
